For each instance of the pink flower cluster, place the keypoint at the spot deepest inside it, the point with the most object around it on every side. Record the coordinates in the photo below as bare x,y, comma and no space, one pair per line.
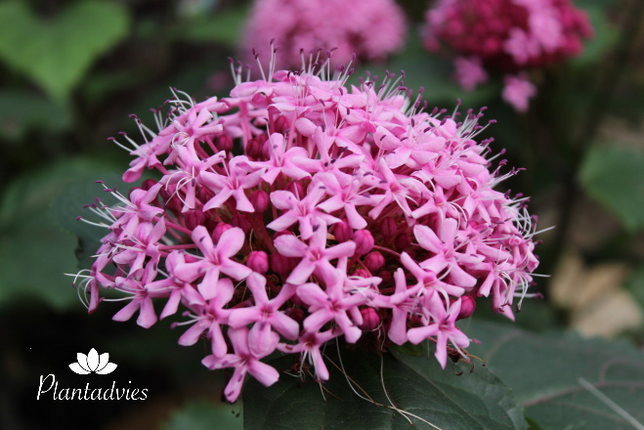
372,29
507,36
299,210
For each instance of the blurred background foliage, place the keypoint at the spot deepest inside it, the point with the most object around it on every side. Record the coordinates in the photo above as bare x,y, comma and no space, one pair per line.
72,71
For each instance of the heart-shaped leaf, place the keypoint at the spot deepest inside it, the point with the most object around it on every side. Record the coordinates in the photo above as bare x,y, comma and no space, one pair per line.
556,377
34,250
614,176
415,385
56,53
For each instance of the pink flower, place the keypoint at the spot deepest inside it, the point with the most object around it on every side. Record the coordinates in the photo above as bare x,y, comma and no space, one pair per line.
372,29
265,315
440,321
305,211
469,72
314,255
518,91
210,316
231,185
243,361
331,304
216,259
141,299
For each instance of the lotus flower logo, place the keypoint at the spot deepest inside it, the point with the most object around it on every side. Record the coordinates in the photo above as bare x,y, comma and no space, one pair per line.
93,363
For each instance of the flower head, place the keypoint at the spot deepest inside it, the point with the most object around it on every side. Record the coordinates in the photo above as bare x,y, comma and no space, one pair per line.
288,238
506,36
372,28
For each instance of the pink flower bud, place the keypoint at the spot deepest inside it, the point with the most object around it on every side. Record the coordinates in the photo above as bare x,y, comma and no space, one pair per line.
260,100
281,265
296,188
342,231
254,149
258,261
260,200
468,305
219,230
172,202
361,273
385,275
370,319
402,241
242,222
295,313
147,184
388,228
281,124
364,242
224,143
194,218
374,261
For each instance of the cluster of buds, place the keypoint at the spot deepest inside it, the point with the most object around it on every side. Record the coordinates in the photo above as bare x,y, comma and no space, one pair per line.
299,210
508,36
372,28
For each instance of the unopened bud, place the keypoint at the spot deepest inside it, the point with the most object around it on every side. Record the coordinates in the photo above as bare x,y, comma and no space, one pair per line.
361,273
254,149
242,222
296,188
259,200
224,143
402,241
295,313
385,275
281,265
258,262
388,229
364,242
468,306
374,261
370,319
194,218
148,183
281,124
219,230
342,231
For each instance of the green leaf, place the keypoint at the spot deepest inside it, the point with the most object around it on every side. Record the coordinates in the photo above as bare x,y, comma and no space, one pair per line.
614,176
56,53
606,36
205,416
417,385
545,372
224,28
34,251
69,205
532,424
22,111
